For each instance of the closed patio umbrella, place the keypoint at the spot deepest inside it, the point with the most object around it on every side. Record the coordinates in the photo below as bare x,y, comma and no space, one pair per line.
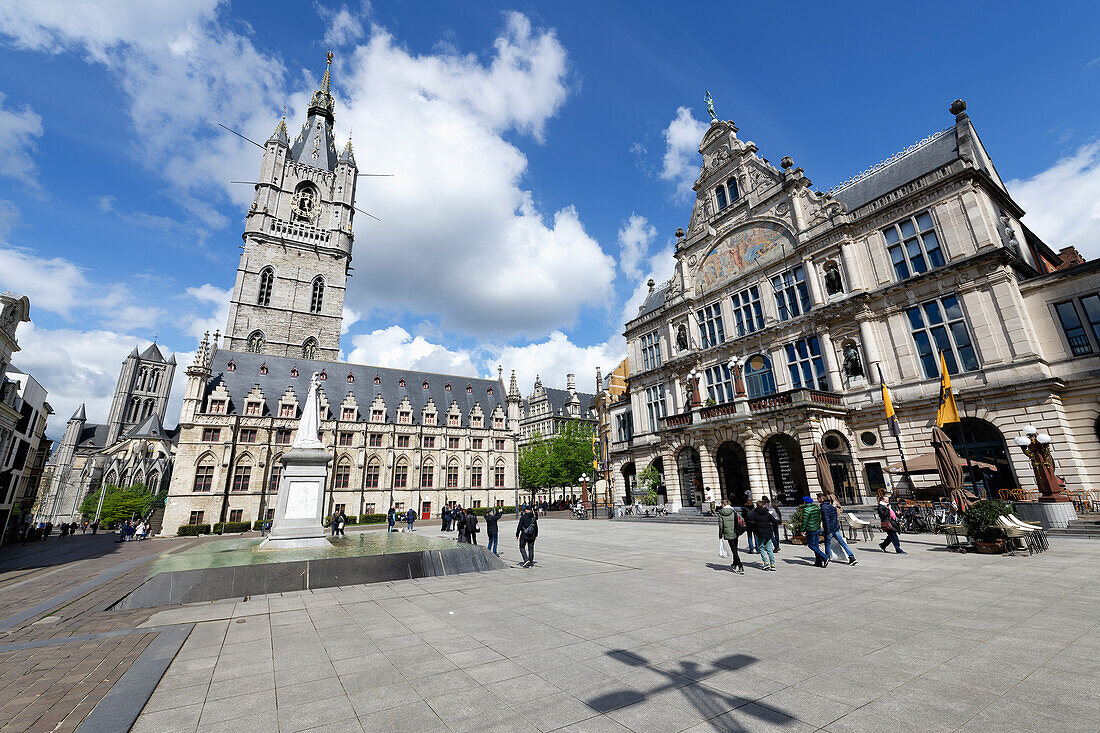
950,468
824,473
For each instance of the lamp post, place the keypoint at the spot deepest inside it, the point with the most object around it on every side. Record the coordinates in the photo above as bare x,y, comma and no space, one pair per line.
693,379
738,380
1036,446
584,490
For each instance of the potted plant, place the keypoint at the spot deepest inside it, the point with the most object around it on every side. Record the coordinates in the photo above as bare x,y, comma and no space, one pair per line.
981,524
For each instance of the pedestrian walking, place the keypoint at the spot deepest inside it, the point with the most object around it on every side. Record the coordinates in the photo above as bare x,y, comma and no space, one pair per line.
776,520
527,531
708,497
471,527
446,517
746,510
731,525
460,524
338,523
410,517
391,518
888,521
811,527
830,523
759,524
95,526
491,518
139,530
84,527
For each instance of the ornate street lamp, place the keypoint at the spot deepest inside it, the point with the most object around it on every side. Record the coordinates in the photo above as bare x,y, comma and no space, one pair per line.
735,364
1036,446
693,379
584,490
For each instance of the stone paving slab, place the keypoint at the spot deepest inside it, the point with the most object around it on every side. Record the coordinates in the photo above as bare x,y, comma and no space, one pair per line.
630,627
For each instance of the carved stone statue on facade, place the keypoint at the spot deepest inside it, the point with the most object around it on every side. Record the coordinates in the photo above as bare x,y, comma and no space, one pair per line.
682,338
853,366
833,284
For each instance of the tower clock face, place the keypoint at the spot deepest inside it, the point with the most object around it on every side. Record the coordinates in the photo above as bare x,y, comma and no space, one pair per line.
305,205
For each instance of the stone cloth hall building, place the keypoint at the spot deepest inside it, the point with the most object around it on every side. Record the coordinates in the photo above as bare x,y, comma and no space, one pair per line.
412,438
788,303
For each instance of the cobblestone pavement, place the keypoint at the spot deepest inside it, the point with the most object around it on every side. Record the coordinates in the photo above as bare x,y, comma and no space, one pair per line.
625,626
53,596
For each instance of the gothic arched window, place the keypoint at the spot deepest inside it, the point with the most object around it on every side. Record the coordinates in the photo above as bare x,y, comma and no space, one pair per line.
759,380
267,279
154,380
318,298
256,342
309,348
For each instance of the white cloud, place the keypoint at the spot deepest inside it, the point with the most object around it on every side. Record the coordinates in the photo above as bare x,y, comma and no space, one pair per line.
56,285
659,268
210,314
466,243
1063,202
681,162
635,236
19,129
343,25
9,217
397,348
556,357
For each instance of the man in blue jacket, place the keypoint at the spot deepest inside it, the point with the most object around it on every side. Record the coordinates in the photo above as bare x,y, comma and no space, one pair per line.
830,523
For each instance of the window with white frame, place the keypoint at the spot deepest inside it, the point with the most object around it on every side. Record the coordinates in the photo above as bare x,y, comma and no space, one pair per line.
748,316
939,325
792,298
719,383
651,351
655,405
806,365
711,331
913,245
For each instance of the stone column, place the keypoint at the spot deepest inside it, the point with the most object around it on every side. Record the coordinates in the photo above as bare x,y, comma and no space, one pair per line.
870,350
811,278
852,276
758,472
710,470
672,479
831,366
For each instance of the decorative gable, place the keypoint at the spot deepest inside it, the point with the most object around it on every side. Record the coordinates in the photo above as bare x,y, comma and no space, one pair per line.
428,415
288,404
254,402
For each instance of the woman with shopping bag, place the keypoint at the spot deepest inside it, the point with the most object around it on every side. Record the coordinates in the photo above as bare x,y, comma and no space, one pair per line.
730,527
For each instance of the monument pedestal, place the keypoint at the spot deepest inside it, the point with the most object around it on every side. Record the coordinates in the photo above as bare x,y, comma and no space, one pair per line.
299,509
1051,515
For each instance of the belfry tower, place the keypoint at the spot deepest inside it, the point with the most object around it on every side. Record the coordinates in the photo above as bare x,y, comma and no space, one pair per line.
288,299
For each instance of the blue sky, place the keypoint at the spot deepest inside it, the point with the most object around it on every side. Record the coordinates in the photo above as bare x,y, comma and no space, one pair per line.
542,154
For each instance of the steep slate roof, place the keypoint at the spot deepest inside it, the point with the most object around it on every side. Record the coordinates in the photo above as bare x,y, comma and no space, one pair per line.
152,353
654,302
94,435
908,165
150,428
246,375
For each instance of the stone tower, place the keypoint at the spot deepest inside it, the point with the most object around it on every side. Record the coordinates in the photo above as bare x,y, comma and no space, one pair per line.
288,299
143,387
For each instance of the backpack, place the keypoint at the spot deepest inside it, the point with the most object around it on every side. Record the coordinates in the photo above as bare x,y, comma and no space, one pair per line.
739,524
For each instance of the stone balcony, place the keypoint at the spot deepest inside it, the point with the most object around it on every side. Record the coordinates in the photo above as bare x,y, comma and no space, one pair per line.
743,408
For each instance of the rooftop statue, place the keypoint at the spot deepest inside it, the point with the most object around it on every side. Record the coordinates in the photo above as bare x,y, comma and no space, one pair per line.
710,106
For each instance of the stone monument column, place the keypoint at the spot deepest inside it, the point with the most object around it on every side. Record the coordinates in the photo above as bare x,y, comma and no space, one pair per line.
299,510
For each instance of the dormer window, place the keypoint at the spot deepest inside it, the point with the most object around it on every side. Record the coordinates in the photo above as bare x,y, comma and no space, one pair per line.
376,416
475,422
404,417
217,407
425,385
348,413
286,410
447,387
377,380
498,422
231,367
253,408
469,389
401,383
454,420
294,372
263,368
489,391
322,376
351,377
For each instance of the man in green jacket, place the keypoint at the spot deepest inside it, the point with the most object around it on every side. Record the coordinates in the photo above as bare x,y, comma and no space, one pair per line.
811,526
730,527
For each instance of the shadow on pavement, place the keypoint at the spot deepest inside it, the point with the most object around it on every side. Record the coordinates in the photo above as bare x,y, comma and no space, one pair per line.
57,551
708,702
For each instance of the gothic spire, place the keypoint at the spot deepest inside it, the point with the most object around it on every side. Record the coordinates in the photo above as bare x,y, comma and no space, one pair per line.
347,156
280,135
322,103
79,414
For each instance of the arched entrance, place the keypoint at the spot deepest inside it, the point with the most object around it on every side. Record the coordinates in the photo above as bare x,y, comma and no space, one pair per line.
733,473
691,476
843,469
629,479
982,441
788,472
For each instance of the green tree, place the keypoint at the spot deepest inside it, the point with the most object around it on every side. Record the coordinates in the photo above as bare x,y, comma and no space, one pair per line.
119,503
534,464
650,481
571,454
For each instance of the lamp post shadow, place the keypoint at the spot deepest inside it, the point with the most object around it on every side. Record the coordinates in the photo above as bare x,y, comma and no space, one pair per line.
707,701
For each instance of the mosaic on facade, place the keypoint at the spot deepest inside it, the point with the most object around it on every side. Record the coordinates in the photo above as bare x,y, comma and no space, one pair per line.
758,244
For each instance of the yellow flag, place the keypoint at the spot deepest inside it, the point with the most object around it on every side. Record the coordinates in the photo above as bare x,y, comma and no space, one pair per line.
891,419
948,412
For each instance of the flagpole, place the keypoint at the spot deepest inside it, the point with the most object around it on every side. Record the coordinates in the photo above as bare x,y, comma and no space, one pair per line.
966,448
897,437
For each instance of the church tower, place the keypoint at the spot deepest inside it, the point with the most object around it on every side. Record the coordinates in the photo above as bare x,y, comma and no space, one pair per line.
288,299
142,390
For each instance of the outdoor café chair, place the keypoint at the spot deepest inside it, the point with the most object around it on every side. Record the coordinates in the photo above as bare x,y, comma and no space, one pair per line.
1036,529
1014,534
855,523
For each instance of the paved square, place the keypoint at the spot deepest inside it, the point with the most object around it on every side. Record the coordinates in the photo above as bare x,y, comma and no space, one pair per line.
625,626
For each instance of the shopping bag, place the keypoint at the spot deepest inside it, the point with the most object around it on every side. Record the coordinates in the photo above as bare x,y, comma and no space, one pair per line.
722,549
